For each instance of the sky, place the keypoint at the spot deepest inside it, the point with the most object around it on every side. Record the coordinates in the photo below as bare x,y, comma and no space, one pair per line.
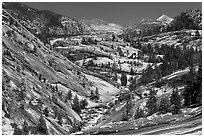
121,13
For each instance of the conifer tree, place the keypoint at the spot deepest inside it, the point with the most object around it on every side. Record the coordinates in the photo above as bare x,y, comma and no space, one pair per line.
139,113
42,127
151,103
25,128
76,105
193,90
83,103
128,106
164,105
124,116
17,130
123,79
132,71
175,102
197,33
46,112
97,93
92,96
113,37
69,95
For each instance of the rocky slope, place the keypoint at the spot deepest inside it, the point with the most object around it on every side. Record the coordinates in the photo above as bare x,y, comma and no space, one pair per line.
36,81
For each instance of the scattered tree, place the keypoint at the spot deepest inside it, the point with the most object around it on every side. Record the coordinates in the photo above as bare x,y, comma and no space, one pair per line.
25,128
17,130
76,105
113,37
151,103
42,127
69,95
164,105
46,112
132,71
83,103
175,102
123,79
139,113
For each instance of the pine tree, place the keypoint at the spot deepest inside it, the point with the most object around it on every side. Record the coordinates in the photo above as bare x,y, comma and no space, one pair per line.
199,82
128,106
40,77
83,103
131,87
25,129
83,41
123,79
91,63
76,105
56,88
175,102
197,34
139,113
69,95
46,112
115,77
164,105
152,103
42,127
189,80
92,96
17,130
132,71
113,37
193,90
97,93
124,116
157,73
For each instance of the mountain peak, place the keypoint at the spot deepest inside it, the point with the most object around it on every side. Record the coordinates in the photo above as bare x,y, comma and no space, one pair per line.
165,19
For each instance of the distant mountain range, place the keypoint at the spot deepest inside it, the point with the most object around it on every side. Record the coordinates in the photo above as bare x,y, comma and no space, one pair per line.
149,24
43,22
100,26
46,24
